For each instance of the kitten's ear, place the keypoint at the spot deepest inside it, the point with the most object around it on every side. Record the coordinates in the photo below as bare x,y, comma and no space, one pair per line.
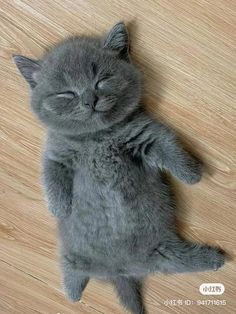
28,68
118,39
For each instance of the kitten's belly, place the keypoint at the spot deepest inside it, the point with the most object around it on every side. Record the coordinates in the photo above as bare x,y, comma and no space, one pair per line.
108,213
107,205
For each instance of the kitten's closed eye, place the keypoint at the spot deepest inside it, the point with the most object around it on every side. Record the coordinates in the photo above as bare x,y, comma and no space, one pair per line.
67,95
59,101
61,104
102,81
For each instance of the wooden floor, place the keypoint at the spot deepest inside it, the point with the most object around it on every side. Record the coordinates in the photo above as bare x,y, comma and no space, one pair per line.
186,50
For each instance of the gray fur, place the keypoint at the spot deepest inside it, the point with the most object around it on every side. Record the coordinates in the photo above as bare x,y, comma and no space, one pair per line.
103,169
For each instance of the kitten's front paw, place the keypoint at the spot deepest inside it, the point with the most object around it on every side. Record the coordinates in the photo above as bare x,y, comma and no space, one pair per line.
60,212
192,172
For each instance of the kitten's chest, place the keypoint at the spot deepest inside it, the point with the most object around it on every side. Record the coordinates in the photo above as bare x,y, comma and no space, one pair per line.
98,159
107,160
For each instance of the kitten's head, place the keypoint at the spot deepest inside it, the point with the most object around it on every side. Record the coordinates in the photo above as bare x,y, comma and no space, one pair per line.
84,84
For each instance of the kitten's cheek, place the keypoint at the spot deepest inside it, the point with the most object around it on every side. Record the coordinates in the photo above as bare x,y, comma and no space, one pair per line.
104,106
54,107
49,107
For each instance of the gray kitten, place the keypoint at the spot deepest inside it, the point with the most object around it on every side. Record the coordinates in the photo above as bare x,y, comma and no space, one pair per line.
103,169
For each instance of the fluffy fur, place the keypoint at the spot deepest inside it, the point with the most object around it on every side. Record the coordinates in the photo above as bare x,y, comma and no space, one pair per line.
103,169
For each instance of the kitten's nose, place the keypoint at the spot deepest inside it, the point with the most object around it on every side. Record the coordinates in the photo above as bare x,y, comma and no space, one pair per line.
90,100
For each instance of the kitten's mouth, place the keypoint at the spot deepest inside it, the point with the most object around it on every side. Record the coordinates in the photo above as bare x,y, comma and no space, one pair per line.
99,111
94,112
104,106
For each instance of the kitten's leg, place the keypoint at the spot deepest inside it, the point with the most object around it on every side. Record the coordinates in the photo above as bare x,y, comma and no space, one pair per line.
58,182
74,282
176,256
129,290
164,150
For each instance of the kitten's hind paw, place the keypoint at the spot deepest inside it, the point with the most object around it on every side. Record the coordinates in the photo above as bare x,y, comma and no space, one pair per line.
212,258
73,296
219,260
73,284
192,172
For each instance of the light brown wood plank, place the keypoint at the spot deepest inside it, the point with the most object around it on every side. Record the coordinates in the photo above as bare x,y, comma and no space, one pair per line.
186,50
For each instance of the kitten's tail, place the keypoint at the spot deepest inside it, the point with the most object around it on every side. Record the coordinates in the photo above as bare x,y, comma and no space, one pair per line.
129,290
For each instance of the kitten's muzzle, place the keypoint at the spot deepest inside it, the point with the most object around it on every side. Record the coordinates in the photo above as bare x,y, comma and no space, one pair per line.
90,100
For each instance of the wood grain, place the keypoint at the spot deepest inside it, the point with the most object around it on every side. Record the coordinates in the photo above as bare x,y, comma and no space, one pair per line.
186,50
